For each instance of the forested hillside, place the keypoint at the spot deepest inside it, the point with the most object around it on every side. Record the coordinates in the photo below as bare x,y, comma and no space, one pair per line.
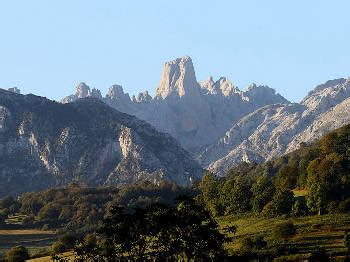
315,179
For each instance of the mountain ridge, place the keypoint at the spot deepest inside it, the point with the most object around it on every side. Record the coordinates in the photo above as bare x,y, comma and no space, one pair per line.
195,113
45,144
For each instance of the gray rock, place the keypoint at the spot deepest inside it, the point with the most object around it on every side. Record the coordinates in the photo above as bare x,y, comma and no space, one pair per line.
46,144
275,130
196,114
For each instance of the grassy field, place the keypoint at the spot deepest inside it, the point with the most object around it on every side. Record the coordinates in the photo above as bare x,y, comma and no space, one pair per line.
34,240
37,241
313,232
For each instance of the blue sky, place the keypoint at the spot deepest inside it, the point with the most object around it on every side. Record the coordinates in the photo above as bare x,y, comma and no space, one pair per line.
48,47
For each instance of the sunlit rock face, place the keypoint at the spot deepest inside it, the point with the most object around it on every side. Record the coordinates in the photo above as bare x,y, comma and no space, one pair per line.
277,129
46,144
196,114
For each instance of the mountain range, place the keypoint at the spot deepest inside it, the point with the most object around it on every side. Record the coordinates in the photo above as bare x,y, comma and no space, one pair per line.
186,126
222,125
48,144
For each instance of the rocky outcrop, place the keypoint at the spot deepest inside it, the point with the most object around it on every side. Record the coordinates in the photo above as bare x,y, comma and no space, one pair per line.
277,129
83,91
45,144
14,90
196,114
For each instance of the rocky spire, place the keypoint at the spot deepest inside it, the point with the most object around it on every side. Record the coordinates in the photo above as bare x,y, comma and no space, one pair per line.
209,86
223,86
226,86
82,90
178,79
144,97
116,92
14,90
95,93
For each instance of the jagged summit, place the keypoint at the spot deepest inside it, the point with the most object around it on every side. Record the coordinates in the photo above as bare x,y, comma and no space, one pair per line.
178,79
117,92
14,90
197,114
223,86
82,91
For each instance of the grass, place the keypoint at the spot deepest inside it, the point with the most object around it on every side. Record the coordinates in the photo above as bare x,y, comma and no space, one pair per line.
299,192
13,234
34,240
313,232
67,255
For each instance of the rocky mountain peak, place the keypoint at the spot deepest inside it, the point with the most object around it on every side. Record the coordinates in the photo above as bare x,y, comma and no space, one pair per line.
95,93
144,97
82,90
226,86
178,79
14,90
209,86
116,92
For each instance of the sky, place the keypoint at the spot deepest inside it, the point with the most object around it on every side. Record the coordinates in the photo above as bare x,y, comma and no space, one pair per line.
48,47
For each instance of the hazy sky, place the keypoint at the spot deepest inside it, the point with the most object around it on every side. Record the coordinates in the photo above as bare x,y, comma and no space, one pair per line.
48,47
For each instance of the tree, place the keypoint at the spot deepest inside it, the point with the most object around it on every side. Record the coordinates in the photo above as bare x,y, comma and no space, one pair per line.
283,201
209,187
284,230
17,254
184,231
347,240
236,195
300,207
263,190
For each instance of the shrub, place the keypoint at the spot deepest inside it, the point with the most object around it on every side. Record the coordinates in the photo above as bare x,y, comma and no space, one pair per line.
28,221
45,227
17,254
332,207
344,206
246,245
319,255
283,231
299,207
58,247
347,240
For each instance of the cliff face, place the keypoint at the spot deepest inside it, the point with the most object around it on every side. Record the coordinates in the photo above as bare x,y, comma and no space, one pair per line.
277,129
45,144
196,114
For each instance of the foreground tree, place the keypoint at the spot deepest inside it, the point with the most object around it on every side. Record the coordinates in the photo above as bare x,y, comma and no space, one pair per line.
185,231
17,254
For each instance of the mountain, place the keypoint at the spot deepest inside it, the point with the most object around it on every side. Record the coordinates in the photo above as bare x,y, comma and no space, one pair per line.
196,114
44,144
277,129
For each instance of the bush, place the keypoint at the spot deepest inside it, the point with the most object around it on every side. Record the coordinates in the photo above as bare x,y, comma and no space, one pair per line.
319,255
68,240
63,244
252,244
28,221
17,254
332,207
269,210
283,231
45,227
344,206
347,240
246,245
299,207
58,247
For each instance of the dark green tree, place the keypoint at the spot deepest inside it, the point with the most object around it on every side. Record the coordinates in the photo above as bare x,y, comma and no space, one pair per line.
184,231
263,190
17,254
